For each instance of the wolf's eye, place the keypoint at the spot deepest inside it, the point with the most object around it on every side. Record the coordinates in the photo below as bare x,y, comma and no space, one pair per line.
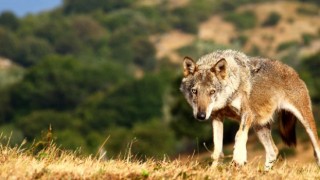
212,91
194,91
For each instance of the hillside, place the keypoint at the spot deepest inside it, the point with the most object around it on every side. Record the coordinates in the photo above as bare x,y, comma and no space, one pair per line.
298,21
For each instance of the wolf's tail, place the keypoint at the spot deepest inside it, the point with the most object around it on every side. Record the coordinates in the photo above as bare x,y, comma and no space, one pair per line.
287,127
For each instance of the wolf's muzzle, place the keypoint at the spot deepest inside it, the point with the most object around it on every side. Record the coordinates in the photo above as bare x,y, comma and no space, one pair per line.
201,115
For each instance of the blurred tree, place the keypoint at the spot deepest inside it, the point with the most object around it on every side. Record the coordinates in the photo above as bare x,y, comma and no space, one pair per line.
8,44
5,109
10,135
34,123
153,139
307,38
186,20
159,17
230,5
130,48
119,19
10,76
311,75
32,50
85,6
200,47
87,29
61,83
53,29
118,142
243,20
139,100
207,8
144,54
71,139
272,19
9,20
69,44
94,140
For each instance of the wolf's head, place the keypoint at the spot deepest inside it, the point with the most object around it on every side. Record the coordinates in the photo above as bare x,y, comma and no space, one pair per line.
206,89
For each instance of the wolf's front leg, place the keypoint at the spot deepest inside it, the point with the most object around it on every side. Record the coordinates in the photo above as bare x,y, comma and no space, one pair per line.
240,150
217,125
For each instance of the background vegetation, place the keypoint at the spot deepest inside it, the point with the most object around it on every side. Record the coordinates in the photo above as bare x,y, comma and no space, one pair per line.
92,70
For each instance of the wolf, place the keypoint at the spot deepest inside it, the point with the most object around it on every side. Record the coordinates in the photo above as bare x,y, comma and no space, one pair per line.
251,90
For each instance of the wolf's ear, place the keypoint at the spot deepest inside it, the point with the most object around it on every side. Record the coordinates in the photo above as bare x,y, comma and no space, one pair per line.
189,67
220,68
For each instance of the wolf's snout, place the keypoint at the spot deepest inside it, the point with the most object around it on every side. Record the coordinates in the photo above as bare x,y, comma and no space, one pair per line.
201,115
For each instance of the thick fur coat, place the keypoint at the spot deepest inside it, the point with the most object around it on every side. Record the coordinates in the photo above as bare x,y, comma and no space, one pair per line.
251,90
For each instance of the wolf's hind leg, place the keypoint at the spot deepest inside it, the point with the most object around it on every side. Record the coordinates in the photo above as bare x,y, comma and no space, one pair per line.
264,135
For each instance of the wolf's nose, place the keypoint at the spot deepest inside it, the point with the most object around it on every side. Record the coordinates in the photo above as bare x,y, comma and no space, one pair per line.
201,115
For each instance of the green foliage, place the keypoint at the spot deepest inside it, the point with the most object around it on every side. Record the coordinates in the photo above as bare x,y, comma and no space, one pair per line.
159,18
10,76
9,20
9,44
255,51
129,44
137,24
10,135
272,19
241,40
202,9
61,83
64,35
144,54
85,6
307,38
32,50
118,142
87,29
311,75
243,20
36,122
70,139
200,47
139,100
231,5
287,45
186,20
153,139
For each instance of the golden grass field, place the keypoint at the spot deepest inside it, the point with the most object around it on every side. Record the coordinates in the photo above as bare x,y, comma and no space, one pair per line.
52,163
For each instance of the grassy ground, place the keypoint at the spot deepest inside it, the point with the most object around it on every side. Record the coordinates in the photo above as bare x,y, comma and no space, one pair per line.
52,163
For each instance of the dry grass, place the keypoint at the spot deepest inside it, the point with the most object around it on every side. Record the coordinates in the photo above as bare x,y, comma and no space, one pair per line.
52,163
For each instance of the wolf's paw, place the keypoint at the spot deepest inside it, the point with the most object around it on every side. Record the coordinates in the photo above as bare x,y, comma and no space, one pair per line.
237,164
216,156
240,156
269,164
215,163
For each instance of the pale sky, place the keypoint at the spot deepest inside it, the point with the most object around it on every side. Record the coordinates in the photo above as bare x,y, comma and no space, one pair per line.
24,7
